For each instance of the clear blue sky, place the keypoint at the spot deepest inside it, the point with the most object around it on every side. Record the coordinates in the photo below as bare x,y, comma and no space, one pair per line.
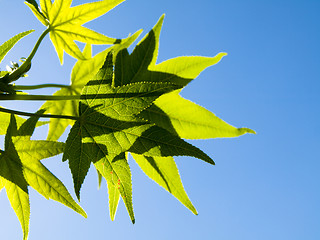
264,186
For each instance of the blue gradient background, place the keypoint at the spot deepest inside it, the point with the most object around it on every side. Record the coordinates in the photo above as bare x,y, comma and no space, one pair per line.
264,186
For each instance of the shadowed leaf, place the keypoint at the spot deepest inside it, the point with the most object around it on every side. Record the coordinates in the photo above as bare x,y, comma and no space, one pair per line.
20,167
187,119
82,72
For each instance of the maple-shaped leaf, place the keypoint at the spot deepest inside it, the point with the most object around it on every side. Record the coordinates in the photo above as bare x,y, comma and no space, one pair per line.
82,72
109,125
187,119
20,167
65,23
108,113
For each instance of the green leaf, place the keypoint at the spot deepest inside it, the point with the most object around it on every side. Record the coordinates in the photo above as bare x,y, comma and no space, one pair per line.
115,118
114,197
140,65
57,126
117,173
19,200
107,127
11,172
5,121
164,172
82,72
81,152
79,155
188,120
5,47
64,23
1,184
33,5
3,73
45,7
99,179
20,167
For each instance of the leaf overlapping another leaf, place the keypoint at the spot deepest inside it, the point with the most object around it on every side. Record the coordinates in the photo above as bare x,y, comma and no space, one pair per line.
187,119
109,124
129,103
5,121
140,65
82,72
20,167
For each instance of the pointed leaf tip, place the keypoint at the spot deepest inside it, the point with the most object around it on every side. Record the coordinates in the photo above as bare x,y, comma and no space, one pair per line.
247,130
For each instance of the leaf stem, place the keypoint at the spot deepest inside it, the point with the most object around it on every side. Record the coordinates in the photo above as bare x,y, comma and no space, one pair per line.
37,114
27,64
6,97
34,87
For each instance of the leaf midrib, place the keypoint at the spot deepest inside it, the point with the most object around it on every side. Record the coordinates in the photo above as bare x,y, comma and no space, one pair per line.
181,120
139,95
139,136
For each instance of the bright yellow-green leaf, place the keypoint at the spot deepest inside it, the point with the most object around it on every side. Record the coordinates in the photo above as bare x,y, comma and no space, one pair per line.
64,23
141,66
6,46
57,126
188,120
118,176
45,7
187,66
164,171
35,11
114,197
19,200
20,167
1,184
5,120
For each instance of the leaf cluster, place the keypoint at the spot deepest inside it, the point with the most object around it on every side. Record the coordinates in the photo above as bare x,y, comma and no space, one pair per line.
117,104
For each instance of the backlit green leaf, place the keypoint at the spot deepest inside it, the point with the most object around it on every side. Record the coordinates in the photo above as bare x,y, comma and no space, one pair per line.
114,197
65,22
5,47
19,200
3,73
164,172
117,173
117,116
5,120
32,4
82,72
107,127
140,65
20,167
188,120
